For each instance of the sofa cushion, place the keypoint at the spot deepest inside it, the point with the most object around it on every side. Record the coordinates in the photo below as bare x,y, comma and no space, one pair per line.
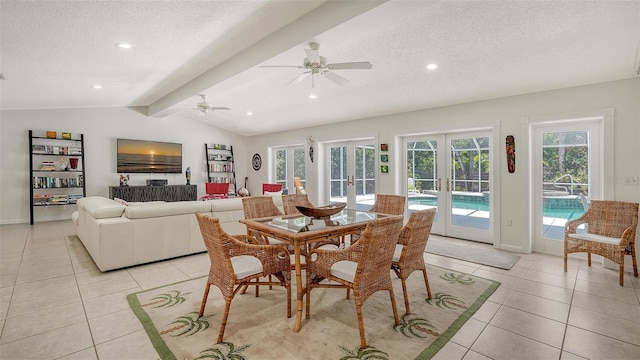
144,211
219,205
99,207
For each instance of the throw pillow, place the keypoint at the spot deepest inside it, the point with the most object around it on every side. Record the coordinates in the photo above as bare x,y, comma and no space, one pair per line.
272,193
121,201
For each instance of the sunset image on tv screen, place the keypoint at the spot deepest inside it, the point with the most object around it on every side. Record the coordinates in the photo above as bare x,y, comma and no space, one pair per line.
139,156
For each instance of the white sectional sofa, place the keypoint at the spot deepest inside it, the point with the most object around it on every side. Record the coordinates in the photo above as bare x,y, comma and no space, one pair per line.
117,236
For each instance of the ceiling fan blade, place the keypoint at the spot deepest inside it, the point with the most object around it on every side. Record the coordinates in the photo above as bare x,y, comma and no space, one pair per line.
219,108
336,78
313,55
300,77
350,65
283,66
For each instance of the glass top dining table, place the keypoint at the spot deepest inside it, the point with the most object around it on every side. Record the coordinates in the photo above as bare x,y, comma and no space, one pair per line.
299,230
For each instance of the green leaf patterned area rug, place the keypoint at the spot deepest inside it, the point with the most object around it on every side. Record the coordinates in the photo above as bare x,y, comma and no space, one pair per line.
259,329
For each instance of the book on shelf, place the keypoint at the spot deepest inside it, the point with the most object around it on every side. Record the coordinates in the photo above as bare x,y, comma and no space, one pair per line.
38,149
221,167
43,182
73,198
47,166
41,199
219,157
59,199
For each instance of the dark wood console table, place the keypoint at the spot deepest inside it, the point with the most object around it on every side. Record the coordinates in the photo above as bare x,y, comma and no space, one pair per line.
155,193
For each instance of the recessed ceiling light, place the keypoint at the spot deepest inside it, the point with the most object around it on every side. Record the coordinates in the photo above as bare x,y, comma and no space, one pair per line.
96,86
124,45
249,113
432,66
313,96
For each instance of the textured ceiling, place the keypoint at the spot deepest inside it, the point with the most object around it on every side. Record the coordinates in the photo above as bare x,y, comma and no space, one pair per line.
53,51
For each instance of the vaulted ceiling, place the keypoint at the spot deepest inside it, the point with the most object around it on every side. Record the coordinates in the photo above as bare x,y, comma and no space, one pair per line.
53,52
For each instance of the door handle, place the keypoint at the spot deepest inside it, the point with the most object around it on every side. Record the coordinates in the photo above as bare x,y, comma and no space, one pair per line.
439,184
447,184
350,182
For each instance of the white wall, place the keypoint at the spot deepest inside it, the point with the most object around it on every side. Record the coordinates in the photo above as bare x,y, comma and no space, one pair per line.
101,127
623,96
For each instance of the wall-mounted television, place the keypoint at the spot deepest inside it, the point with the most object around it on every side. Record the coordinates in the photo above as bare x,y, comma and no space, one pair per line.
142,156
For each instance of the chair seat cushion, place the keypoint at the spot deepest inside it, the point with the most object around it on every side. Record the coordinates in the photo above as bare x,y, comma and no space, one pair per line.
245,265
397,252
273,241
596,238
303,259
345,270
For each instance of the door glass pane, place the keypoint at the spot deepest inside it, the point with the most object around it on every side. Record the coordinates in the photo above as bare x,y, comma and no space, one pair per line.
365,181
422,175
565,177
281,167
470,182
298,167
338,174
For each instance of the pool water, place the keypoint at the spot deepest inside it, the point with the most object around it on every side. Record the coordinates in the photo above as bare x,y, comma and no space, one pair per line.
568,214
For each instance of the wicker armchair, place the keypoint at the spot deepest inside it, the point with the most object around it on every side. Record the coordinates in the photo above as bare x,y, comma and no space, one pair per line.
234,263
299,186
611,233
409,254
290,201
363,267
389,204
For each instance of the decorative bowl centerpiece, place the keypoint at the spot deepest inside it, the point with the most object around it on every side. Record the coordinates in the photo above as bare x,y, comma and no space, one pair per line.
322,211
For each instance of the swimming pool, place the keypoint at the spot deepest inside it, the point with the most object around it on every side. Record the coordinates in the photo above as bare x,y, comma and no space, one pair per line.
560,213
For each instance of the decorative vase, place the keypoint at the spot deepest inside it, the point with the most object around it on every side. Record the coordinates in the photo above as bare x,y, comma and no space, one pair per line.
243,192
73,162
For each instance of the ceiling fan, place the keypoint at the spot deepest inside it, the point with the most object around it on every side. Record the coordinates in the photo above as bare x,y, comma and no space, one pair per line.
204,107
314,64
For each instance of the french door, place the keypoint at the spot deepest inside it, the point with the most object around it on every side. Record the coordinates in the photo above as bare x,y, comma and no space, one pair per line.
567,174
289,162
352,176
452,173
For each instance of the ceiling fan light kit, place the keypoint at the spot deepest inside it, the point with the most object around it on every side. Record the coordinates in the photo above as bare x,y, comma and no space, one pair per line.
314,64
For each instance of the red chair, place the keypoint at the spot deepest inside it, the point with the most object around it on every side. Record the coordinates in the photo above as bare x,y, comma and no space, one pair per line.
271,188
216,191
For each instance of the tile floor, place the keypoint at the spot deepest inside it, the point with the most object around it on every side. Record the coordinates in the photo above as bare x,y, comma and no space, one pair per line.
55,304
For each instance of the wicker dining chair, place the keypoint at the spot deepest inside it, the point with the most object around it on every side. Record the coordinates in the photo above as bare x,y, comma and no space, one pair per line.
259,207
290,201
363,267
385,204
409,254
610,232
234,263
389,204
255,207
